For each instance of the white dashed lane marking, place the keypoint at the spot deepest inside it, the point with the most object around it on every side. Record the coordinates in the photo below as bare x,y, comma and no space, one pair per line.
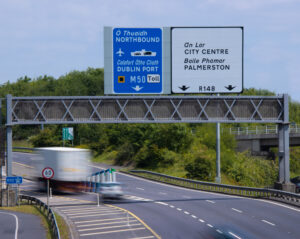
140,189
185,212
236,236
209,225
162,203
234,209
210,201
270,223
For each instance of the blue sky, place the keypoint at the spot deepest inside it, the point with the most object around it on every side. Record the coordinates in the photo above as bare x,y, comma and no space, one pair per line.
41,37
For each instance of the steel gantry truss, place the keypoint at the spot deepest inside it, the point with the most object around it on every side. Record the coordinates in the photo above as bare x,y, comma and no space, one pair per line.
153,109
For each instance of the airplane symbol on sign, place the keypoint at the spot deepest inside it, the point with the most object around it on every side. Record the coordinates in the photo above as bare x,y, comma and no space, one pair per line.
120,52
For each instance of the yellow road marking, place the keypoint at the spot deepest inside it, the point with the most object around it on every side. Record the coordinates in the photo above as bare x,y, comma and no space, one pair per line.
107,232
24,165
145,225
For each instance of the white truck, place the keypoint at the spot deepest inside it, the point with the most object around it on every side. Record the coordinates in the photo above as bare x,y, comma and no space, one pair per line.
70,166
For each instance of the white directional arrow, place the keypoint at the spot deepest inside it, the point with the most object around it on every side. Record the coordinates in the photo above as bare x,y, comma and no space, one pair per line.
137,88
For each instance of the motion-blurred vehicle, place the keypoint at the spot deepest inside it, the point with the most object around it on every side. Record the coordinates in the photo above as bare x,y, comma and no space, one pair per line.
296,181
111,190
70,166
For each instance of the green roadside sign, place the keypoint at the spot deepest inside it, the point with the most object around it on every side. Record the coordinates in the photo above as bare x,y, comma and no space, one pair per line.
68,133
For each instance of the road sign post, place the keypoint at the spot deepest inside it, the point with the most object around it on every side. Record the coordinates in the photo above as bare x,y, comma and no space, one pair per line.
48,173
14,180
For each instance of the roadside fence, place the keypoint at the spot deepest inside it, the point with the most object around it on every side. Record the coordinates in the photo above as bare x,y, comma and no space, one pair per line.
268,129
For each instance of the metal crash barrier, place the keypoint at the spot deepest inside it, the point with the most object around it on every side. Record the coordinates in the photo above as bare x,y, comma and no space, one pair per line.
44,209
272,194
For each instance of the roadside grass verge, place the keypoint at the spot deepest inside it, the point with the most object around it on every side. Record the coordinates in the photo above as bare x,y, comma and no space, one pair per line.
31,209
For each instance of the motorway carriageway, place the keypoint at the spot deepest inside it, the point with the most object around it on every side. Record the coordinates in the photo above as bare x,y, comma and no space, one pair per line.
167,211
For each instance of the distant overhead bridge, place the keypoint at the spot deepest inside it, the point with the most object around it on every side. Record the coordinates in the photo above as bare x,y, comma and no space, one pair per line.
152,109
260,139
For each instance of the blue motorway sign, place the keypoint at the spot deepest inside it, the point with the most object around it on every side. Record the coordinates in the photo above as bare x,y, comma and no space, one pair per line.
14,180
137,60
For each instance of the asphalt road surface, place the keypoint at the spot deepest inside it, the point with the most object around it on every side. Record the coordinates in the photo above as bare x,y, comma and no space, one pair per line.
16,225
174,212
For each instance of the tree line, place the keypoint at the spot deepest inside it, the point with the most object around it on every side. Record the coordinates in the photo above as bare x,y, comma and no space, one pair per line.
185,150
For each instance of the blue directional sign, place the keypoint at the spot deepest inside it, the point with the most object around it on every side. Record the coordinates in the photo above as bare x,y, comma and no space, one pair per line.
137,60
14,180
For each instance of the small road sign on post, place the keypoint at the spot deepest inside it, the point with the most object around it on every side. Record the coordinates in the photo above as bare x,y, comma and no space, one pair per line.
48,173
14,180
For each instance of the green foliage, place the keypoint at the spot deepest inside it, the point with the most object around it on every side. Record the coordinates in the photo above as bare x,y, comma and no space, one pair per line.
89,82
45,138
253,171
200,164
295,161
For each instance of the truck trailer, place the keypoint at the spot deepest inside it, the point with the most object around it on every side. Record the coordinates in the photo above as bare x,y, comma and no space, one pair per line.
70,166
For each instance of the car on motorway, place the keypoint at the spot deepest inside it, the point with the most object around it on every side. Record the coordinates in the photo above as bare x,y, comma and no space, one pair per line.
296,181
111,190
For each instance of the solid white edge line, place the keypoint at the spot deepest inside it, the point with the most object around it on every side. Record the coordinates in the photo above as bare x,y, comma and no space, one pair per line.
17,223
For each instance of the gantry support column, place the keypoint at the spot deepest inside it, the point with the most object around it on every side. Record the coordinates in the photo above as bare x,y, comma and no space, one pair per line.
9,135
284,151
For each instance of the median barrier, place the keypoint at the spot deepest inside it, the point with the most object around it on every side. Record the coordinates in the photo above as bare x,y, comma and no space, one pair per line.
45,209
271,194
